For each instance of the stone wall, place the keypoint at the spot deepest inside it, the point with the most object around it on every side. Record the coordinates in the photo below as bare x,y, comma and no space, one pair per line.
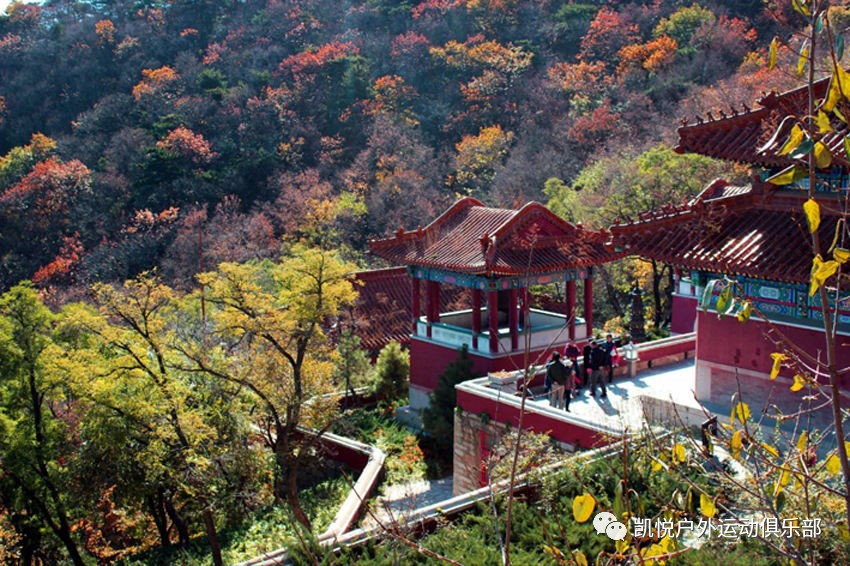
473,435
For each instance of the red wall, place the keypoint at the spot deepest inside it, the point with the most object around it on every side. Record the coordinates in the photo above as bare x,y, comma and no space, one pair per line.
428,360
684,314
744,345
502,412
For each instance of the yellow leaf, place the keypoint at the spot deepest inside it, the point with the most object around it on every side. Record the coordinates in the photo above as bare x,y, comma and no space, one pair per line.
746,312
812,210
679,454
839,115
580,558
800,6
833,96
801,62
777,364
787,176
802,442
667,544
841,255
799,383
771,58
583,506
656,466
823,122
706,505
833,465
770,449
821,271
785,478
622,546
823,157
794,138
737,443
742,412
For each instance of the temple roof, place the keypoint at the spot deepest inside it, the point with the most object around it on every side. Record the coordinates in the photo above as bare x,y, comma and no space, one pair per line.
383,311
754,136
474,239
756,231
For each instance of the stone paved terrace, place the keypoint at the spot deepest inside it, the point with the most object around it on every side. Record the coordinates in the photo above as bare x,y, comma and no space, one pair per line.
663,395
652,391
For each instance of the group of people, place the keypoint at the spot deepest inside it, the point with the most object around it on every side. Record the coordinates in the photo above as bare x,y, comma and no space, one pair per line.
565,377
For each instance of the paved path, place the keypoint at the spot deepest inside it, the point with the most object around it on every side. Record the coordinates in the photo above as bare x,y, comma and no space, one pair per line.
400,500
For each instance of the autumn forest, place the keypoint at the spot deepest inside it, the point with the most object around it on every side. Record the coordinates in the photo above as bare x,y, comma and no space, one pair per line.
151,147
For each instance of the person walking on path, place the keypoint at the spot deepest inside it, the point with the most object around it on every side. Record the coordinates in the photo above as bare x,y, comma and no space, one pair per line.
557,374
598,365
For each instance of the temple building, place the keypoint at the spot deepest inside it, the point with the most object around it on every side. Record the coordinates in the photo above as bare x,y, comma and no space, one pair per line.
495,256
756,235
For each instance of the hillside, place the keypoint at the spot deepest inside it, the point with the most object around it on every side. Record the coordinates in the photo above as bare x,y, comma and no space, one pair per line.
183,133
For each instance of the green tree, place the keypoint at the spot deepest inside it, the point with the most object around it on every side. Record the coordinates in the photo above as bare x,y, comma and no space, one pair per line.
392,372
353,368
185,438
35,421
266,337
438,416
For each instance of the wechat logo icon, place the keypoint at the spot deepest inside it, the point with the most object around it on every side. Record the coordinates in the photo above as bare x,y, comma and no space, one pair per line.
607,523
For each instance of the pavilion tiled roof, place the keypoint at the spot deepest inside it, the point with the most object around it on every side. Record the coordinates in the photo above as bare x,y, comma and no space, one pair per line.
384,312
472,238
751,231
755,136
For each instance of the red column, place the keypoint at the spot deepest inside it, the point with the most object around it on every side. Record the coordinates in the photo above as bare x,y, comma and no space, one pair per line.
493,315
476,317
571,308
512,319
588,303
432,308
417,307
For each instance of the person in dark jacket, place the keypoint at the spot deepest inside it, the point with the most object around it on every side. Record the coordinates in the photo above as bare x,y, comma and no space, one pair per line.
557,374
610,350
598,365
571,353
585,370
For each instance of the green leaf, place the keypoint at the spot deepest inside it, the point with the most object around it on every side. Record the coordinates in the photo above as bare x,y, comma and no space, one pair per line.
803,149
771,58
707,294
839,46
819,23
781,498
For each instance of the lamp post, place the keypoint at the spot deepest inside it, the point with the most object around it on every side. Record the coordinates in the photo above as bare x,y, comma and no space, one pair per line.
631,353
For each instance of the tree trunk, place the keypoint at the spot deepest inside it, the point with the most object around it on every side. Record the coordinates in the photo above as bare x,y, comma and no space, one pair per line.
157,511
613,298
657,276
215,549
177,521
